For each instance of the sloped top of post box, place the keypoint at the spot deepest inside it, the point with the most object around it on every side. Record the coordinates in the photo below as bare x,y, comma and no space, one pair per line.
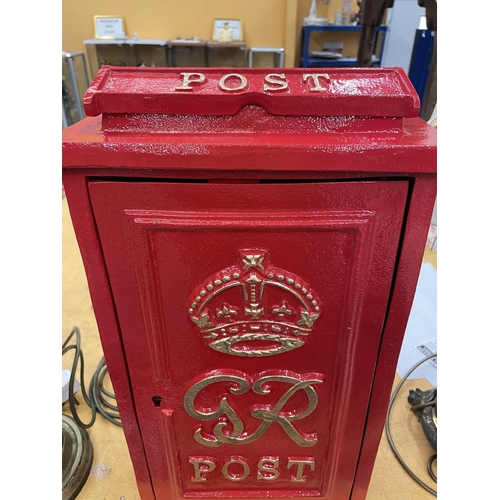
367,92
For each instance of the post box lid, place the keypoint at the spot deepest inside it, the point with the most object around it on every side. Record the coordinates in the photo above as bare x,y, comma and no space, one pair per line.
367,92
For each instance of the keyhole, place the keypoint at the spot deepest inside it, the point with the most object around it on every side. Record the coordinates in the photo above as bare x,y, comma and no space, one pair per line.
156,400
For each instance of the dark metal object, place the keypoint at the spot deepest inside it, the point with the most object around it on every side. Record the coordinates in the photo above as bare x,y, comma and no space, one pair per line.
373,13
430,95
430,13
424,405
417,407
77,456
358,15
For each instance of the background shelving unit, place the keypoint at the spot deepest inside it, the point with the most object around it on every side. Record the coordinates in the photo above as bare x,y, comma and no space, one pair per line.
75,81
126,52
307,61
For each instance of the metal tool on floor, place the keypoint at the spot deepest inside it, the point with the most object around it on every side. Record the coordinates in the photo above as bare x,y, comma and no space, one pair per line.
424,405
77,456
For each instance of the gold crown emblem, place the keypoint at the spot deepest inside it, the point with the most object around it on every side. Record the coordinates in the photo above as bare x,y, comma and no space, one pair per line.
254,308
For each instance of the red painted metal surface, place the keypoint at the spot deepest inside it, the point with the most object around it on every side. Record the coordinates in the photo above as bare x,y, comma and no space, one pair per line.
333,92
251,268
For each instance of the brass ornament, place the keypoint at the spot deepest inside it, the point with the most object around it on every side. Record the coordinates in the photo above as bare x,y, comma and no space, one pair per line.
243,82
268,469
299,477
258,323
199,472
225,344
240,383
232,476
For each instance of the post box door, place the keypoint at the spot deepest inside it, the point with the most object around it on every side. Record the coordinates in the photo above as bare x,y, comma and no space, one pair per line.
251,317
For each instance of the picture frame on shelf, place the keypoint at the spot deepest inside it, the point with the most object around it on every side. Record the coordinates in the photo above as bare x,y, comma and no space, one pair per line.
109,27
227,30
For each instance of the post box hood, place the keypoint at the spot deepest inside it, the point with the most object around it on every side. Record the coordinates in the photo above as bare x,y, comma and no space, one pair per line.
357,92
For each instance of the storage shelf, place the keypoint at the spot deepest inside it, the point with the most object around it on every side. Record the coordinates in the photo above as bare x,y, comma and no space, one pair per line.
306,60
342,62
125,41
332,28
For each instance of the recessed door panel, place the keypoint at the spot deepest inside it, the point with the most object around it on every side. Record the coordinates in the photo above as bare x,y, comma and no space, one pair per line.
251,316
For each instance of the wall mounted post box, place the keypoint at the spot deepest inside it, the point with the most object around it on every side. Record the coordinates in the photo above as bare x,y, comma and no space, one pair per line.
252,242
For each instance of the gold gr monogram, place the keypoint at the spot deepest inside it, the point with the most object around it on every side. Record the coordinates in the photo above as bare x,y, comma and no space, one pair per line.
239,383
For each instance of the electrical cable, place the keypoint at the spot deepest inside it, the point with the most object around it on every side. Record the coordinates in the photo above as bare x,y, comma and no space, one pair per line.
95,398
391,441
429,467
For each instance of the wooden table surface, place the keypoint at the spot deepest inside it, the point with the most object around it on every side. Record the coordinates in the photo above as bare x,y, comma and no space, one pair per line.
112,476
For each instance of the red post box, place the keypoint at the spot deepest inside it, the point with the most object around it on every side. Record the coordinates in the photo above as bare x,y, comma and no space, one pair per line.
252,243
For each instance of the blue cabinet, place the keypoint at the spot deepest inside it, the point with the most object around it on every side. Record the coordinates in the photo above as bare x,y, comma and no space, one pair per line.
421,59
307,60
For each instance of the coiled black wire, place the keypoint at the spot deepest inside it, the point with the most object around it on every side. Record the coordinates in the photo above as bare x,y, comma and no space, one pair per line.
429,467
95,398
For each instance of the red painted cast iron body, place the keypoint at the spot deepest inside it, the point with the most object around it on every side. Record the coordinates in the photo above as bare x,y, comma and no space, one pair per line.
252,244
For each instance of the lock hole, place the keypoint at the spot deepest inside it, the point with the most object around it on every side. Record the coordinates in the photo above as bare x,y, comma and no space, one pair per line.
156,401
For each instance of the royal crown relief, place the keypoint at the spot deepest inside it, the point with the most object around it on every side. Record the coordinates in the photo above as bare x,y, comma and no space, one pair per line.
273,311
253,309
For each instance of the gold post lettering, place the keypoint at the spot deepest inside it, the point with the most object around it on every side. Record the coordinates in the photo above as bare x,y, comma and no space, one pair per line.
316,76
188,78
298,478
242,79
236,460
202,466
277,79
268,466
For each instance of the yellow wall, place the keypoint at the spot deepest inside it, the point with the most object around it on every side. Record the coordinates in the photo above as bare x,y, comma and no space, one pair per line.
263,20
266,23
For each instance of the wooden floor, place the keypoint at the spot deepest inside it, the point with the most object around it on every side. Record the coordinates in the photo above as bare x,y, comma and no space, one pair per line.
112,476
